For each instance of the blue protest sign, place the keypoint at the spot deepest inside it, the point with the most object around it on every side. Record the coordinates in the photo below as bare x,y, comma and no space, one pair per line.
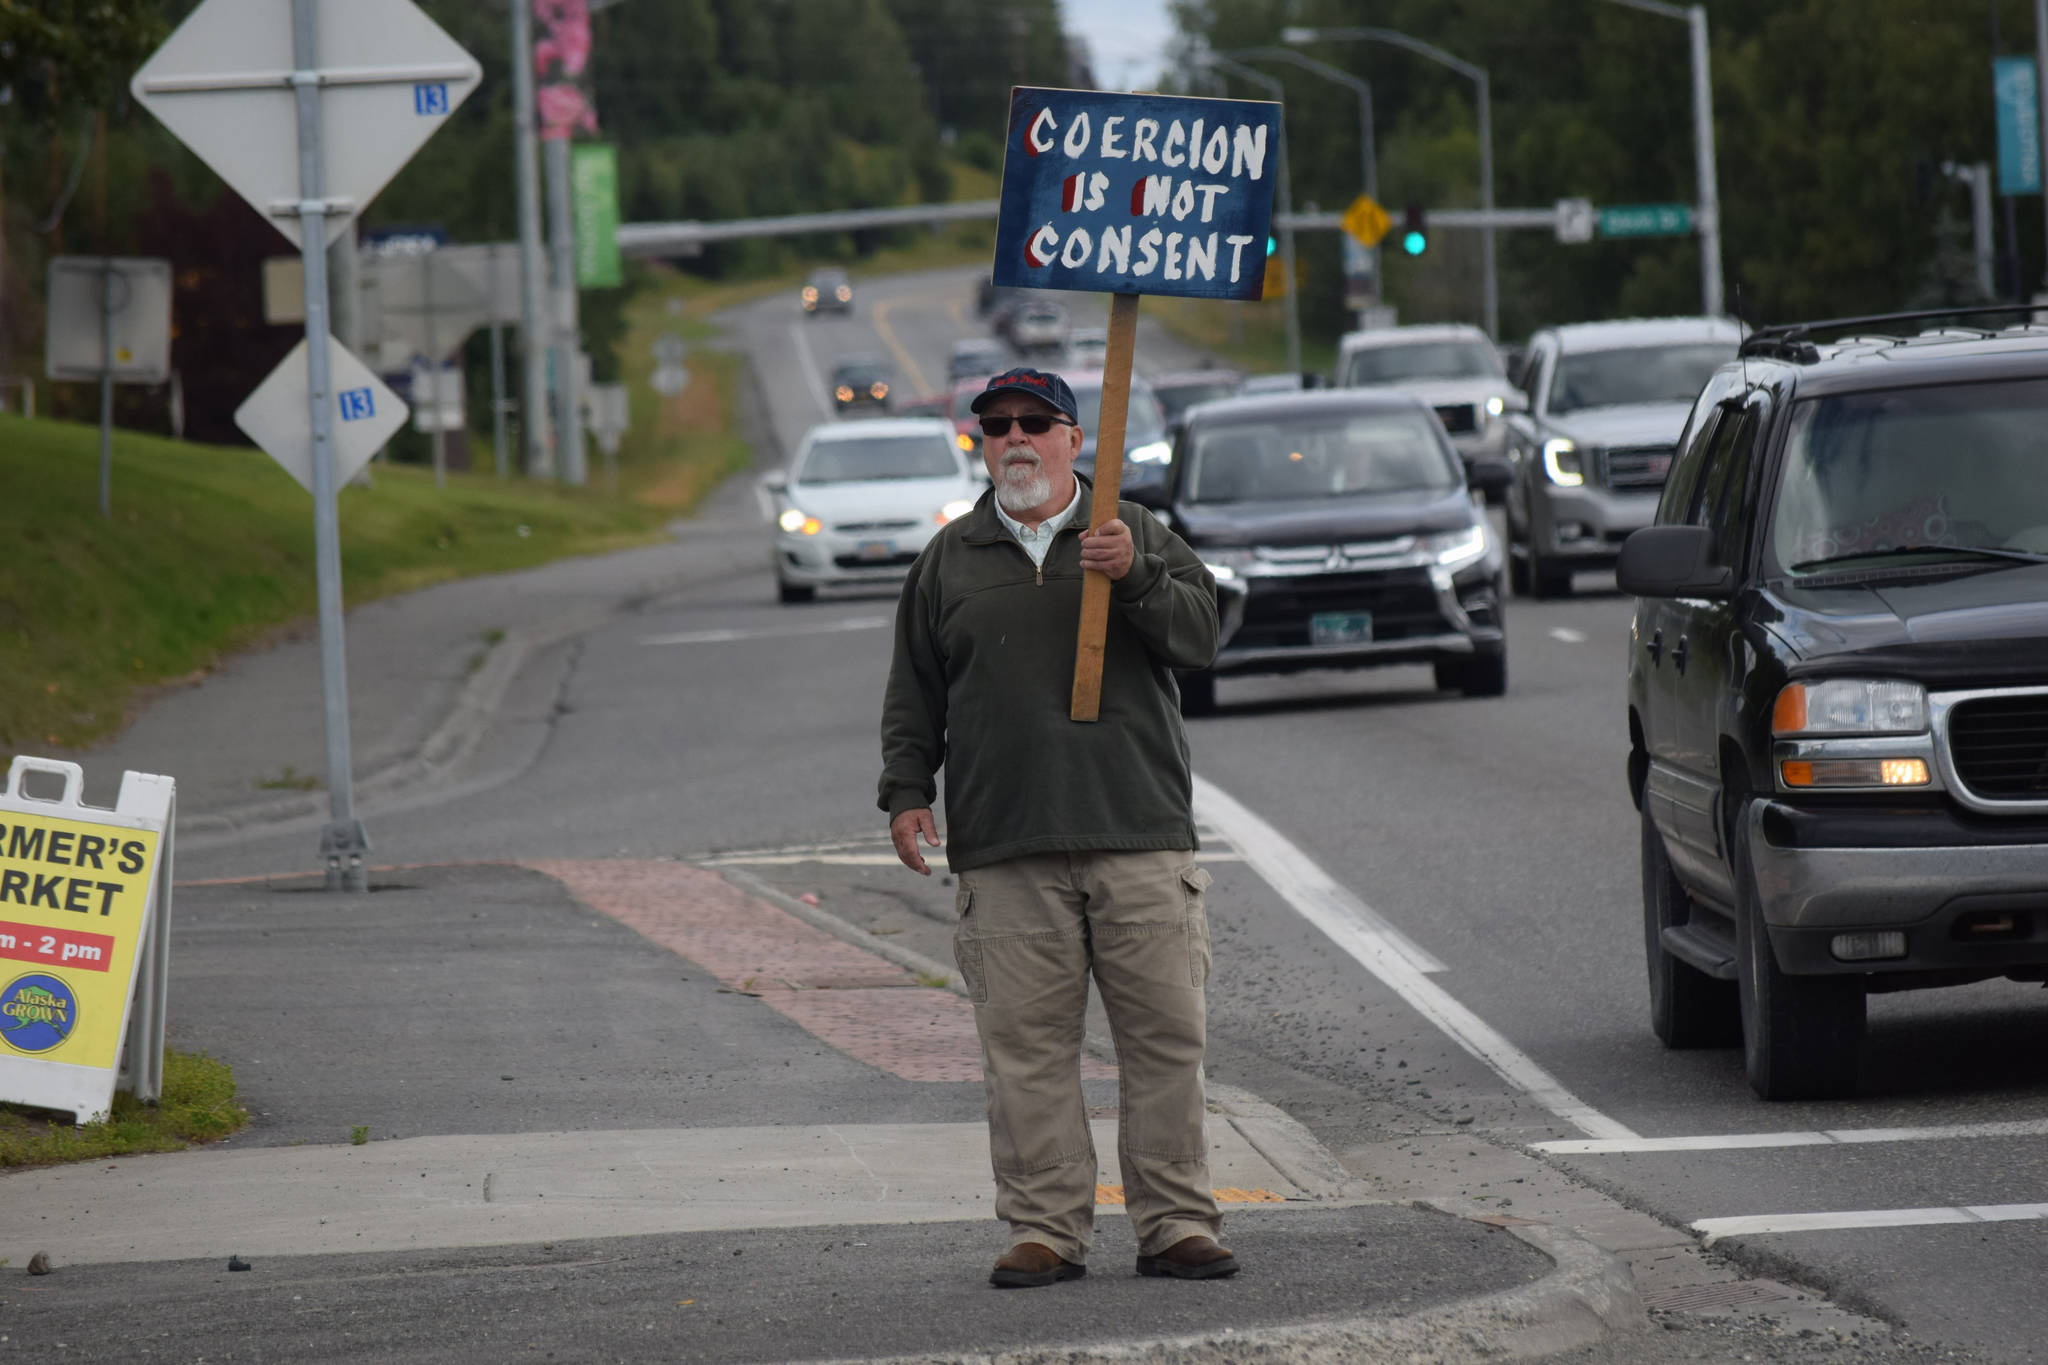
1137,194
2016,91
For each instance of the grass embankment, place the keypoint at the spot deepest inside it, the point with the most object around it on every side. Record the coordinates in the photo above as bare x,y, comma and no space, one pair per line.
198,1105
211,547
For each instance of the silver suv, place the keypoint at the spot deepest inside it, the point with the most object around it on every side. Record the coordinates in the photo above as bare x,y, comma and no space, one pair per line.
1450,366
1606,404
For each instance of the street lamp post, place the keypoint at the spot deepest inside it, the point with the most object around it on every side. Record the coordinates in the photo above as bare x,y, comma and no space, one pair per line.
1708,211
1479,77
1368,152
1284,211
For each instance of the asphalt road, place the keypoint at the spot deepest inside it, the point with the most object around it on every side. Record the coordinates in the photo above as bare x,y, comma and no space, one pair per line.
1488,844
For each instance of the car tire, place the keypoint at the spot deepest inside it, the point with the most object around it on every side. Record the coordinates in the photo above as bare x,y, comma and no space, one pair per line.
1547,578
1450,675
794,592
1483,675
1802,1036
1198,693
1688,1008
1518,571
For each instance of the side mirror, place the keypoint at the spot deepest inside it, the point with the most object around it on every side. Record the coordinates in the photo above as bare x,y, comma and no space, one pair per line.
1490,477
1672,561
776,481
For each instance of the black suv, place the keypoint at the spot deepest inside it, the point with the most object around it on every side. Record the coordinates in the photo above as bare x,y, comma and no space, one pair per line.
1838,689
1341,534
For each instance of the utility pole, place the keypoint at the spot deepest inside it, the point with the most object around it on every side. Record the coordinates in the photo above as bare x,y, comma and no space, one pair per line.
571,463
1283,198
535,431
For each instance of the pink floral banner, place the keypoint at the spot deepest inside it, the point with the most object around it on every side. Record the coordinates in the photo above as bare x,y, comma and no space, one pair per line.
561,52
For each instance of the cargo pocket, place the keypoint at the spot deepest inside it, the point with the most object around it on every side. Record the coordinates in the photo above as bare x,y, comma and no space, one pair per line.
967,950
1194,880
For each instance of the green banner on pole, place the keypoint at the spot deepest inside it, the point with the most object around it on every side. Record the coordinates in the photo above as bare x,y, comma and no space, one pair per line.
1646,220
594,188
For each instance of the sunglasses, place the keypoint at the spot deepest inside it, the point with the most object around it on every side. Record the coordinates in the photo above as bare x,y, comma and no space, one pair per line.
1034,424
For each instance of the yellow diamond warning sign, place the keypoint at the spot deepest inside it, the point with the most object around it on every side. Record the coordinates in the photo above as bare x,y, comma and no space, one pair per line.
1366,221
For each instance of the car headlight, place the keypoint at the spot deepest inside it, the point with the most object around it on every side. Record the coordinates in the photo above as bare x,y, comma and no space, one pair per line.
1561,462
1496,405
798,522
810,294
1850,706
1455,549
964,441
955,510
878,389
1223,564
1152,452
844,393
844,293
1852,732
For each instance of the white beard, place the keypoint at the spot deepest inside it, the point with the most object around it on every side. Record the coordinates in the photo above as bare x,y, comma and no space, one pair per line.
1023,487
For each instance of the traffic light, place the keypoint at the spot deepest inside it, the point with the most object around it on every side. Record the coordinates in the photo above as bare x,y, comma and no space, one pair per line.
1272,244
1414,232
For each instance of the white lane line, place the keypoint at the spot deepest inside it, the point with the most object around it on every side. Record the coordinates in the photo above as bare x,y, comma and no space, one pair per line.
813,383
719,637
1714,1229
1828,1137
1568,635
1385,952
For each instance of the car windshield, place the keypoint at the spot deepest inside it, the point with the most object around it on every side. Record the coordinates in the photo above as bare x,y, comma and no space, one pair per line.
1640,374
1178,398
860,374
1950,468
858,460
1423,360
1316,457
1143,423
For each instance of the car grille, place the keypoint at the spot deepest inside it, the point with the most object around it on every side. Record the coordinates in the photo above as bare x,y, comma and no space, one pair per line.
1637,467
858,528
1458,417
902,561
1276,610
2000,746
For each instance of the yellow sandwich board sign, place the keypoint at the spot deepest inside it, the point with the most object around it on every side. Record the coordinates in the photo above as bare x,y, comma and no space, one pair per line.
84,924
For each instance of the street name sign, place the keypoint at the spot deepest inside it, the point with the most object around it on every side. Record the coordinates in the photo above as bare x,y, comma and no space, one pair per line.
365,412
1130,195
1646,220
99,304
1366,221
389,76
85,904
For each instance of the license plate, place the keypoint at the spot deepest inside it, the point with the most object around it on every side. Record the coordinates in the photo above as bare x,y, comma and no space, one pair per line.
1340,628
876,549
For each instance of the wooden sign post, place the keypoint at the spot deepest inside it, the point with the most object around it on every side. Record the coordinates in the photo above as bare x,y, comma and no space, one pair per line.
1129,195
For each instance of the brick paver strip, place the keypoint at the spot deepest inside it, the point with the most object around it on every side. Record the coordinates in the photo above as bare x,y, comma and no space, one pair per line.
863,1005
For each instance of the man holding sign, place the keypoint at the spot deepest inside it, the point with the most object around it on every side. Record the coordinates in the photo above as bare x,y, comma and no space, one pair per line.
1073,843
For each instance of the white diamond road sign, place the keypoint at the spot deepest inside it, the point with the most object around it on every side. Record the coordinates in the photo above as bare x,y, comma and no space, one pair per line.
389,77
365,414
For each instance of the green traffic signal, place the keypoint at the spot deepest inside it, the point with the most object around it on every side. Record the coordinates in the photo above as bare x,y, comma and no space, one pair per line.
1272,244
1415,234
1414,243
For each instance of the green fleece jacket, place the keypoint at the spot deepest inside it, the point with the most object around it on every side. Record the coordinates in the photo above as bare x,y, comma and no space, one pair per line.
983,675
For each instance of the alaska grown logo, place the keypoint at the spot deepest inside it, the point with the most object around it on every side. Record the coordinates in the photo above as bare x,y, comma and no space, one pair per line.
37,1012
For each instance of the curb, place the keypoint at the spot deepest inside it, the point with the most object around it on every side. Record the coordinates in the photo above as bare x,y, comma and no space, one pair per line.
1589,1297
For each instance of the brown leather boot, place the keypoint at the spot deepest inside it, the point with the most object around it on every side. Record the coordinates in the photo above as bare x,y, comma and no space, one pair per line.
1191,1258
1028,1265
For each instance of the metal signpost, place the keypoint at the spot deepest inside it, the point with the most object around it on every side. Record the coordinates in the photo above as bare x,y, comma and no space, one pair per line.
109,320
1130,195
253,87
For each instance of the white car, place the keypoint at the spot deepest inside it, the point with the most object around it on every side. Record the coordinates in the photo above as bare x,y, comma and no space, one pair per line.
860,499
1087,349
1450,366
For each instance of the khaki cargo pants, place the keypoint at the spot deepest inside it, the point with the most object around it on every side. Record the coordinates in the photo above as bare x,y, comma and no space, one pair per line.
1030,931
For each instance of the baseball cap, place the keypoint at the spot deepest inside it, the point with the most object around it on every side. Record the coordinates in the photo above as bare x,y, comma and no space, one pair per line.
1037,383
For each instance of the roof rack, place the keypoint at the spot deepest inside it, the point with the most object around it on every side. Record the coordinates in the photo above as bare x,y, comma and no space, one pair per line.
1791,340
